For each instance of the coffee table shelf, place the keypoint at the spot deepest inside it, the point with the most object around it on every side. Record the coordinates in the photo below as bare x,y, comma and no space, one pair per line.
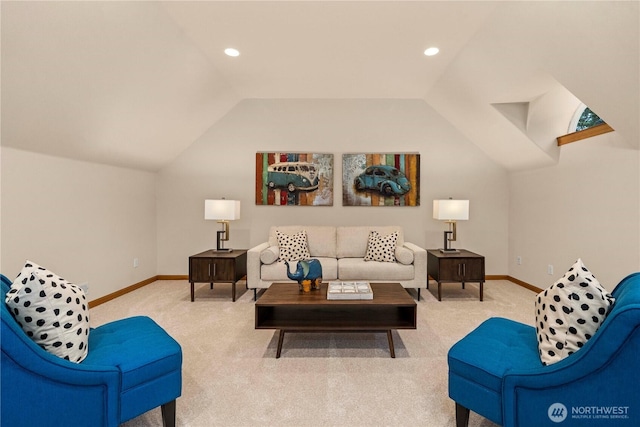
345,317
283,307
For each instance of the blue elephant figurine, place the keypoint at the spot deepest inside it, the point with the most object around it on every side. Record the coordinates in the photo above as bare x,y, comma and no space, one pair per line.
308,274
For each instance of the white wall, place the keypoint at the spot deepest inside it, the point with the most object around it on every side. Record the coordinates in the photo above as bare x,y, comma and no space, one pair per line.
88,221
84,221
222,164
587,206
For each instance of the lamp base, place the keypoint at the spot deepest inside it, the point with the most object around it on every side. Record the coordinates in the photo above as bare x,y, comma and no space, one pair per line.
447,243
219,242
449,251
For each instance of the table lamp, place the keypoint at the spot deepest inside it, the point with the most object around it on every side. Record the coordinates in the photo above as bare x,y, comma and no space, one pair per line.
222,211
450,211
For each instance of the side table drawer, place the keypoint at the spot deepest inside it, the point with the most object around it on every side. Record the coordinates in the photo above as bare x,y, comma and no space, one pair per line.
216,270
461,269
199,270
474,270
222,270
451,270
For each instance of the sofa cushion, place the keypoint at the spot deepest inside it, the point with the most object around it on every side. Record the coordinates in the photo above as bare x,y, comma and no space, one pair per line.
51,311
147,378
352,242
479,362
321,240
270,255
124,343
381,248
486,355
359,269
404,255
293,247
569,312
277,272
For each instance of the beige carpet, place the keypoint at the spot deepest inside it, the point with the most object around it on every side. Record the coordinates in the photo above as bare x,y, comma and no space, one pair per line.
232,378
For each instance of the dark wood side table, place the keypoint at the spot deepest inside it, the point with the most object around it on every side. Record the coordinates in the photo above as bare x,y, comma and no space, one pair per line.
211,266
462,267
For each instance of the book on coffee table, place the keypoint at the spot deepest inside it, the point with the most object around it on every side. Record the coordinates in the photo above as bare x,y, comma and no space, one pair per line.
349,290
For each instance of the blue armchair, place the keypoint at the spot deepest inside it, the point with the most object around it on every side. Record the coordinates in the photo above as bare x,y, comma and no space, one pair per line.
496,372
132,366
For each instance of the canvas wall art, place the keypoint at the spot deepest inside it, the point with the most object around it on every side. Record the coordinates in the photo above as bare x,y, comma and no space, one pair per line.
294,179
381,179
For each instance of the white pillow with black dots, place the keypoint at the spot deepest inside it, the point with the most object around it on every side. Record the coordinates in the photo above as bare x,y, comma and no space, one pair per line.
293,247
569,312
52,311
381,248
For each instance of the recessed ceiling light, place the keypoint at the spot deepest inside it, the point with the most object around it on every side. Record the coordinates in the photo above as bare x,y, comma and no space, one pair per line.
231,51
431,51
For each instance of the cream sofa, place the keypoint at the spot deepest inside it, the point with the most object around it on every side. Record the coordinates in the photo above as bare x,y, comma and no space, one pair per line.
341,252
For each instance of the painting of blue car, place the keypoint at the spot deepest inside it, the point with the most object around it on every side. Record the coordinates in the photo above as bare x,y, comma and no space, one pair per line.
294,176
294,179
387,180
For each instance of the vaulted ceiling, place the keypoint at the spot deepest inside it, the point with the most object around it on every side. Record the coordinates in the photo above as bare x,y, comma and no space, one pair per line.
135,83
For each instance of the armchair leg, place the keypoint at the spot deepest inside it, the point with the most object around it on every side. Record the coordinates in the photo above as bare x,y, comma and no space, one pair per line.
169,414
462,416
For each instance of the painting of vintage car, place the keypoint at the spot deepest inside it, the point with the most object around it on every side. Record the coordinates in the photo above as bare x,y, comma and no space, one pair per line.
294,176
381,179
294,179
384,179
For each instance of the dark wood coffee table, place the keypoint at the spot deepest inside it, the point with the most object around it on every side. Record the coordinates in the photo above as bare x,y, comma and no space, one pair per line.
284,307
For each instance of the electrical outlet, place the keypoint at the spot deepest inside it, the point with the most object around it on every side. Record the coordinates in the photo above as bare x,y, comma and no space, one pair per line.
136,263
519,260
549,269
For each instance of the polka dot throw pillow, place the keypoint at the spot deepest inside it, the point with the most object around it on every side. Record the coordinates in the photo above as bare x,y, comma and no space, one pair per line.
381,248
294,247
52,311
569,312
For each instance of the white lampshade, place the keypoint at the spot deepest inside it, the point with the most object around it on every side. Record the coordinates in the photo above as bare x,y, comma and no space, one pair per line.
222,209
451,210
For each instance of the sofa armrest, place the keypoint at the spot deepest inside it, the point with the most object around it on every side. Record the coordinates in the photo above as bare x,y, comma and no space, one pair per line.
253,264
419,262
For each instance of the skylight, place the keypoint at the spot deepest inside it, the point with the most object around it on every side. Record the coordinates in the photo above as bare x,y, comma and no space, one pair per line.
588,119
584,124
583,119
